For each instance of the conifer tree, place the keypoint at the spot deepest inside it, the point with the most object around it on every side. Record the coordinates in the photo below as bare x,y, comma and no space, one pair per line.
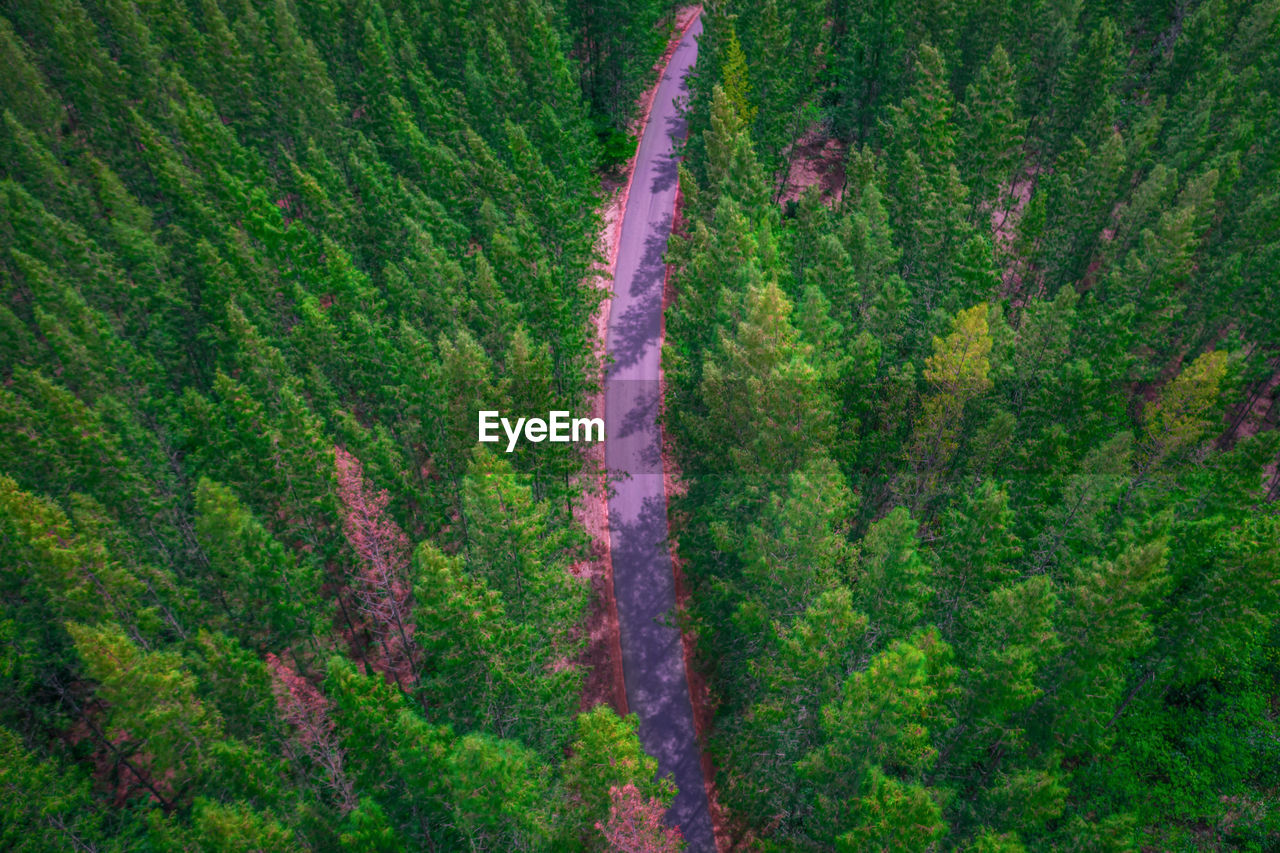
991,136
306,712
958,371
798,674
1185,410
880,726
268,595
44,806
160,735
382,580
895,585
1083,97
798,548
765,400
737,86
928,203
1105,625
893,815
605,756
869,54
636,824
513,545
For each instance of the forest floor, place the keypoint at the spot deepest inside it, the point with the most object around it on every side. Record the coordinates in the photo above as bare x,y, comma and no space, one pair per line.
602,659
1004,230
815,160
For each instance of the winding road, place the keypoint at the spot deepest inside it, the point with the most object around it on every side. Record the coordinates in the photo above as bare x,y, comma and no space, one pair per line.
644,586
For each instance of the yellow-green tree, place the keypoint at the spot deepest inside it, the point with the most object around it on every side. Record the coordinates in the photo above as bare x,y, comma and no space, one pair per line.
958,371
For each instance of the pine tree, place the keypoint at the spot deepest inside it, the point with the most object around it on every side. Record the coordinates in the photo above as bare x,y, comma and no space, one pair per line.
518,551
959,371
270,599
765,400
636,825
798,548
1186,409
797,674
1084,97
734,76
219,826
869,52
1105,624
1155,274
895,582
606,756
618,44
513,545
927,200
467,375
498,793
880,726
1010,639
1220,565
1079,198
368,829
732,168
978,549
160,735
306,712
73,569
461,627
382,580
991,136
44,807
895,816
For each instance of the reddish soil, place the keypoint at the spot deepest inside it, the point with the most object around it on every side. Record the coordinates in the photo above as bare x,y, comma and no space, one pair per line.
1004,227
602,658
815,160
1263,411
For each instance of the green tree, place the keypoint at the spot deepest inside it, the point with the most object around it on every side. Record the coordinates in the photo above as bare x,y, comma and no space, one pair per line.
958,371
1083,96
44,806
895,583
605,753
928,203
991,136
268,597
513,544
797,675
162,735
1105,624
880,726
894,816
764,399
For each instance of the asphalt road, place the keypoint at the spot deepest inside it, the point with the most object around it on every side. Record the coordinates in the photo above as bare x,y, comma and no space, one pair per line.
652,655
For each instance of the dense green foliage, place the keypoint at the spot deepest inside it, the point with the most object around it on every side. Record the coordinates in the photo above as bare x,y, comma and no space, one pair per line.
261,263
983,545
980,527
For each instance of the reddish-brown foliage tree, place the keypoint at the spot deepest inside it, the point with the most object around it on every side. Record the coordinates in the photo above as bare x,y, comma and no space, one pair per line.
306,711
635,824
382,582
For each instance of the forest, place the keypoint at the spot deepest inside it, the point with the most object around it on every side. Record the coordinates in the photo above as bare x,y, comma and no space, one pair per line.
975,439
980,447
